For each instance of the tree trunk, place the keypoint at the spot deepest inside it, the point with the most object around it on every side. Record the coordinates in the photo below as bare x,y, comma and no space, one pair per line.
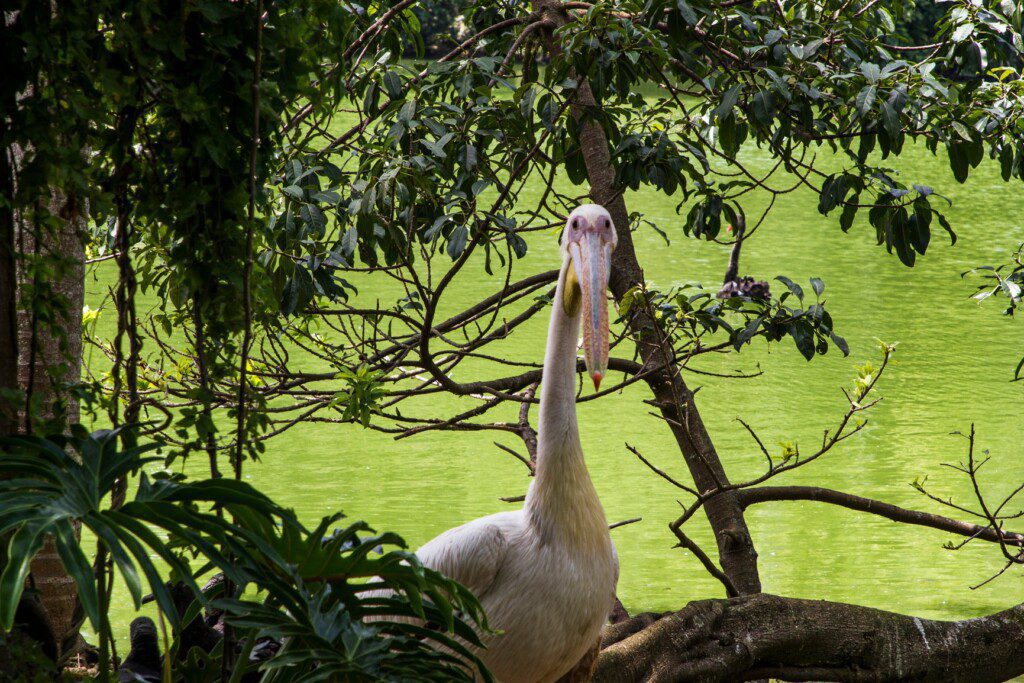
673,397
64,356
50,354
8,306
49,359
761,636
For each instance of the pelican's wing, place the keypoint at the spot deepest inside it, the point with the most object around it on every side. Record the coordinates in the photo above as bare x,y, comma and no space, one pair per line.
471,554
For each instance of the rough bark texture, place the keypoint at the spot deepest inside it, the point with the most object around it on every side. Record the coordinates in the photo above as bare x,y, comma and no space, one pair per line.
8,306
63,352
673,397
760,636
55,351
55,586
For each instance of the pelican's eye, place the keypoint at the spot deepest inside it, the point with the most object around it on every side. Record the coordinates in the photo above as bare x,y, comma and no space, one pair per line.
575,223
607,223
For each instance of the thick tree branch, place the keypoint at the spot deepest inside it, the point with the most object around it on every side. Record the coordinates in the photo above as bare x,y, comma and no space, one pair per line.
766,636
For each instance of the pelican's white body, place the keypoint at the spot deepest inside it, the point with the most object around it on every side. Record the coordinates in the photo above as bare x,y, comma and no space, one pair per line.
548,602
545,574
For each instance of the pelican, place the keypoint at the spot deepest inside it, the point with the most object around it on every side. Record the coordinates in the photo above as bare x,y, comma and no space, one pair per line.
546,574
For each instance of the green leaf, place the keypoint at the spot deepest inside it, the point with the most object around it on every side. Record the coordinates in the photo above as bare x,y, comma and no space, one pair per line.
866,99
958,161
804,339
516,243
407,112
457,241
325,197
729,100
963,131
349,242
764,106
689,16
393,85
947,227
963,32
848,215
78,568
26,542
796,289
888,25
1006,162
811,48
840,342
890,120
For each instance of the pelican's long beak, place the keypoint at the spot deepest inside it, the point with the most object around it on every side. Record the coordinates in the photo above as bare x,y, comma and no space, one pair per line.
591,260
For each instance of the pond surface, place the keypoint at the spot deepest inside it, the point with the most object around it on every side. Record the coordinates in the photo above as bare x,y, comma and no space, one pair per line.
953,367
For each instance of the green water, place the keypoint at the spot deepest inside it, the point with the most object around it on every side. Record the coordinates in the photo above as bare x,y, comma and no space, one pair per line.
954,363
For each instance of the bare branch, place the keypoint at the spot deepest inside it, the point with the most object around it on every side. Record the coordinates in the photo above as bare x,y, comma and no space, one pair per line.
764,494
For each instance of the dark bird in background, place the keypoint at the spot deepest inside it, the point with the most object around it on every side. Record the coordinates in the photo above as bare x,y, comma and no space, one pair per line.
204,631
143,661
733,285
198,632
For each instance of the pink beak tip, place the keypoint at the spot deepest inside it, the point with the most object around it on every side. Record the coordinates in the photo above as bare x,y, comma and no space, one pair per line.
597,377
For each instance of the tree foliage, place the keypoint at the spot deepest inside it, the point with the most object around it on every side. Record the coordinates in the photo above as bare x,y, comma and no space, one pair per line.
428,170
309,588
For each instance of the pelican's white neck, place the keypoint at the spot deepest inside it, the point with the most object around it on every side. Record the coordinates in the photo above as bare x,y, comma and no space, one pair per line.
557,429
562,501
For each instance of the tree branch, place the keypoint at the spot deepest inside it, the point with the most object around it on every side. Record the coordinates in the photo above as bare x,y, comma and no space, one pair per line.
765,494
766,636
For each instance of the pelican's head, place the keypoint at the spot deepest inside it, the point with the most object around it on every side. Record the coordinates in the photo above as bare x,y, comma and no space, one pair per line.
587,243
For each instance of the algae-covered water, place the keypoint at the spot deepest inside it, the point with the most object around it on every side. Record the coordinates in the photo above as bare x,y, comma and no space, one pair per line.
954,364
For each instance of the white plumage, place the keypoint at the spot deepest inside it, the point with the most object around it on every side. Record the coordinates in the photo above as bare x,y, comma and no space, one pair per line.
546,574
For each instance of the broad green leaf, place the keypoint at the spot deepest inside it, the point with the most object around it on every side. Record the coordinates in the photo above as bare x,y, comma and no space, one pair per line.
866,99
457,241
